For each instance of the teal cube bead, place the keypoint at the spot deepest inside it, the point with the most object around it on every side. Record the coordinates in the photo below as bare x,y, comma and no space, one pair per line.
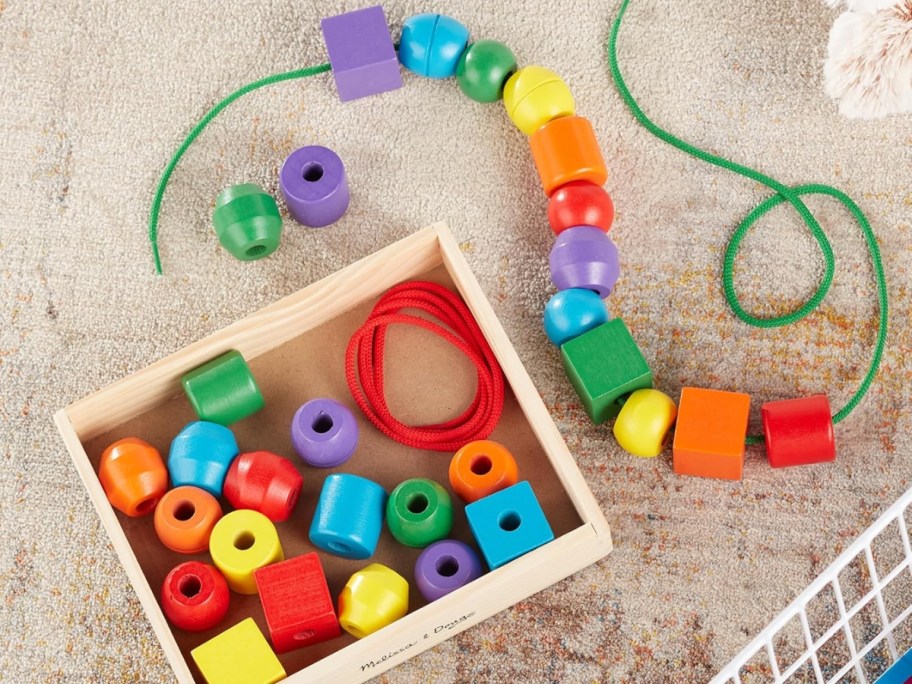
604,365
570,313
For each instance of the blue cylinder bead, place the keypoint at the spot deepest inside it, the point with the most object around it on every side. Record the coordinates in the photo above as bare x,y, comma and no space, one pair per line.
431,45
570,313
349,516
201,455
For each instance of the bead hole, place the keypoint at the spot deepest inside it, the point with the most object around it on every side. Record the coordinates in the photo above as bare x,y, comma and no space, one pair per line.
313,172
353,630
482,465
509,521
256,250
189,586
417,503
339,547
447,566
144,507
322,423
184,510
244,541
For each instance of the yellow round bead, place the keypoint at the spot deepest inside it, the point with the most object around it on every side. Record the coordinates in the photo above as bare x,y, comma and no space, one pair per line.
373,598
241,542
644,422
534,96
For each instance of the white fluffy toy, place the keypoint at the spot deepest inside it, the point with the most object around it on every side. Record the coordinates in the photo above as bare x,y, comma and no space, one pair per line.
869,63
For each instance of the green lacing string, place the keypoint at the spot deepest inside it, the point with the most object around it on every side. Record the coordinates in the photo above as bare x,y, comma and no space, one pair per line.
783,194
210,115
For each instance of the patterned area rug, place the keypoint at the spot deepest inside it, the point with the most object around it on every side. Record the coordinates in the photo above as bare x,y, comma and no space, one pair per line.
96,96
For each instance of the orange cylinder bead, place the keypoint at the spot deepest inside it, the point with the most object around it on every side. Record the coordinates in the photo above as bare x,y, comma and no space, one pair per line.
481,468
133,476
566,150
184,519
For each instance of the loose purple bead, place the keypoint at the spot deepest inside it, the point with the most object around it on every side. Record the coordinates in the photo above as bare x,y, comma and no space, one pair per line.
324,433
444,567
585,257
314,185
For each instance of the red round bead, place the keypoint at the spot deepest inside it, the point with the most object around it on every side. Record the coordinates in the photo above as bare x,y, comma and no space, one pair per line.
580,203
264,482
195,596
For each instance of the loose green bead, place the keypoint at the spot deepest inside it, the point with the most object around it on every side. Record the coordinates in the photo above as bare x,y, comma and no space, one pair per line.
483,70
419,512
223,390
247,221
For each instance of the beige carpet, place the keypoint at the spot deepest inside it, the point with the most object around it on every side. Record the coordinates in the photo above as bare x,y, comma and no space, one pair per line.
95,96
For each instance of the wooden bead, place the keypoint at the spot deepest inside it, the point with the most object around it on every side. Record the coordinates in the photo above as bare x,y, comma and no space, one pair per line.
580,203
604,365
241,542
247,221
296,602
508,524
481,468
565,150
570,313
195,596
418,512
201,455
710,433
264,482
483,70
324,432
349,516
798,431
238,655
223,390
315,186
372,599
534,96
184,519
584,257
431,45
644,423
444,567
133,476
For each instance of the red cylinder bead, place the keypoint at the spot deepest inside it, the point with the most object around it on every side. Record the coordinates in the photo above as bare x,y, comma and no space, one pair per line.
580,204
798,431
264,482
195,596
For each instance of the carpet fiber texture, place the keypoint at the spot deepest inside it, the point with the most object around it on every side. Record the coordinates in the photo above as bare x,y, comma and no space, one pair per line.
96,96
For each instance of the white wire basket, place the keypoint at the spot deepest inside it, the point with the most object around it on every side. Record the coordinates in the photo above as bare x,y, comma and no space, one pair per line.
850,624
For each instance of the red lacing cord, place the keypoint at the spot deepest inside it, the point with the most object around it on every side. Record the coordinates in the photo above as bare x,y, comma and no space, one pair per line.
364,366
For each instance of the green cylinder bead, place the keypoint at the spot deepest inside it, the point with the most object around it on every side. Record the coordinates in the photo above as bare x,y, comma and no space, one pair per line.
223,390
483,70
247,221
419,512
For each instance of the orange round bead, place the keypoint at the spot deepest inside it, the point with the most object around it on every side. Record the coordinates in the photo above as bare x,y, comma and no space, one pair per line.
565,150
481,468
184,519
133,476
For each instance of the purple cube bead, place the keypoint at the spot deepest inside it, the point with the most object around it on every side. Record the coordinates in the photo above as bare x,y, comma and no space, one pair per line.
324,433
444,567
585,257
361,53
314,186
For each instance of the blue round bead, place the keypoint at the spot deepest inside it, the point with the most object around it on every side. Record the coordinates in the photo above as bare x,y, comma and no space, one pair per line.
431,45
572,312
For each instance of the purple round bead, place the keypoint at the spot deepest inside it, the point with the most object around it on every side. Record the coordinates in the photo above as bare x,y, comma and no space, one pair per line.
444,567
324,433
585,257
314,185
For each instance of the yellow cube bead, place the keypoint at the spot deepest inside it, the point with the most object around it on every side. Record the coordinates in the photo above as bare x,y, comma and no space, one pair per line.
534,96
239,655
372,598
241,542
643,424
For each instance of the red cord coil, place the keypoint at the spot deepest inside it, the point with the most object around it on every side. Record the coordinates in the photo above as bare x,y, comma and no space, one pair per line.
364,366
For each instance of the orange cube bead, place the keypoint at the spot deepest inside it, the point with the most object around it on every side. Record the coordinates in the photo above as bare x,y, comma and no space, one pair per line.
566,150
710,433
133,476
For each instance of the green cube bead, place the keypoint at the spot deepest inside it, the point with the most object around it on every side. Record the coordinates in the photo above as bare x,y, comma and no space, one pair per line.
223,390
419,512
247,221
605,365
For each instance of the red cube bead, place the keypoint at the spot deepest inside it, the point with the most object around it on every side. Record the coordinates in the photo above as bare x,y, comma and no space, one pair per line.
580,203
296,601
264,482
195,596
798,431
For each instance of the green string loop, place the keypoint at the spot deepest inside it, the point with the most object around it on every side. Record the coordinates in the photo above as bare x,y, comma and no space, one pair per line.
782,194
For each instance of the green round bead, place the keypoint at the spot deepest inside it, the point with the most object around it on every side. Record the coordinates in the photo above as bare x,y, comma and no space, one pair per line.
483,70
419,512
247,221
223,390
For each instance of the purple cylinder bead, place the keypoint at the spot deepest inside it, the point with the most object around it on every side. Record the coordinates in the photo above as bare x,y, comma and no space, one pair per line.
446,566
324,433
585,257
314,185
